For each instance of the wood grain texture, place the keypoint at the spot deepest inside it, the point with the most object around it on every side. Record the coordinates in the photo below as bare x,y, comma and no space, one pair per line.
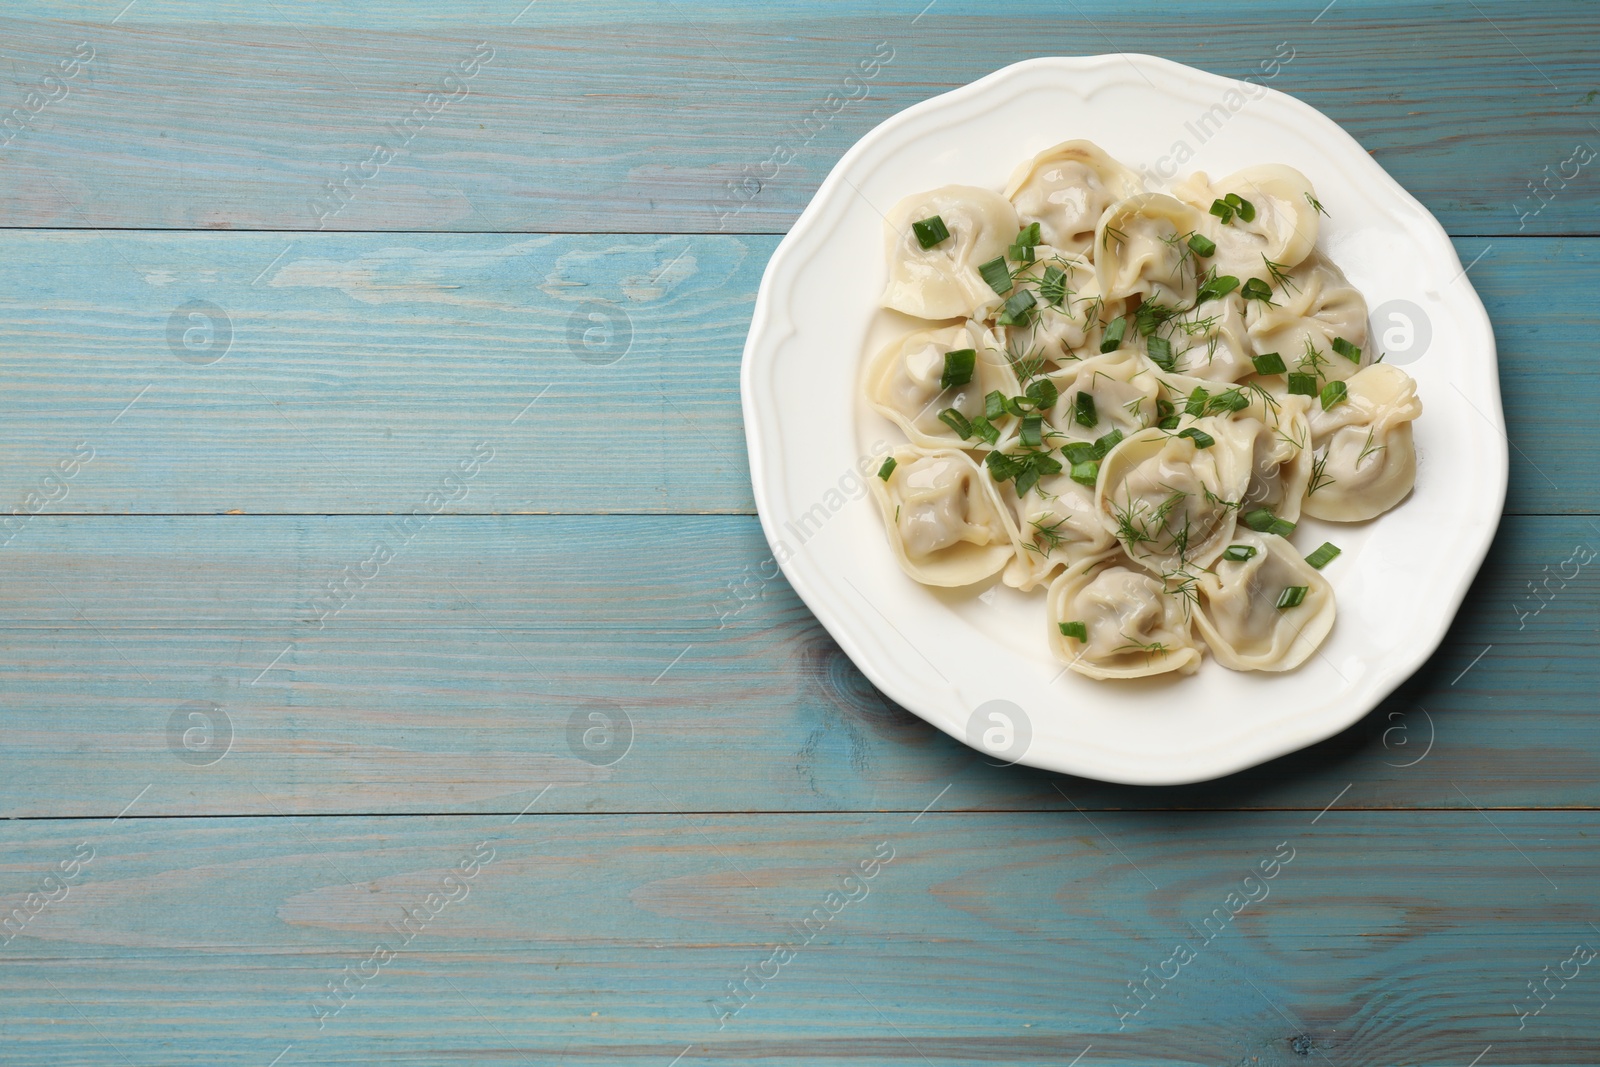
982,938
638,116
360,369
450,680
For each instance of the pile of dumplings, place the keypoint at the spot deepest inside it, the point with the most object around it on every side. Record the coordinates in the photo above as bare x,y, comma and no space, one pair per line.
1130,398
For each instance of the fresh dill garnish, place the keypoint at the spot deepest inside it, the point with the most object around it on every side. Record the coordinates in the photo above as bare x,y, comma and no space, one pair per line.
1046,538
1319,480
1312,360
1280,275
1112,231
1369,449
1317,204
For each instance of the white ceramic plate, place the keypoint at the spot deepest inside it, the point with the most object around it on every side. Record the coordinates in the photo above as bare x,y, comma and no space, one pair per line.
974,662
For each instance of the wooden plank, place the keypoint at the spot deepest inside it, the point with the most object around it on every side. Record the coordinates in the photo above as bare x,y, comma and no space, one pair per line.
985,938
639,116
360,369
462,674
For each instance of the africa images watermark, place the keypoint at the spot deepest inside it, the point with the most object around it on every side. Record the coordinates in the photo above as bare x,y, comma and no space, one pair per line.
452,889
737,195
52,888
853,888
353,177
52,87
1210,121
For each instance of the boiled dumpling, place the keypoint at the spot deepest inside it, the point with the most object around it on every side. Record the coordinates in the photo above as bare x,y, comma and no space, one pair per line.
904,381
942,282
1366,460
1066,189
1211,341
1315,307
1121,392
1239,613
1284,229
946,524
1057,526
1171,502
1074,326
1132,626
1140,250
1275,431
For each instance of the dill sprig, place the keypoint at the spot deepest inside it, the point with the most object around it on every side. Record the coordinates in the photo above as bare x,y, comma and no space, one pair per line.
1319,480
1369,449
1280,275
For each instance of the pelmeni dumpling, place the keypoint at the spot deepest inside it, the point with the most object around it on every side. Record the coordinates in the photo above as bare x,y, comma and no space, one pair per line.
1171,503
1367,460
1239,614
1211,341
1121,391
1073,327
1066,189
942,282
1275,430
1139,250
1284,229
947,525
1133,626
1314,307
904,381
1057,525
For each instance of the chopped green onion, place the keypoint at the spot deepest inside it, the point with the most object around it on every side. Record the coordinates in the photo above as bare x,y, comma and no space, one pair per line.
1021,248
1080,452
1027,478
1001,466
1012,406
1215,288
1170,422
985,429
958,367
1256,289
1113,334
1016,310
1202,245
1078,630
1323,555
1227,400
930,231
1200,438
1242,207
1084,410
1161,353
1054,286
1303,384
1043,393
1086,473
1239,553
1269,363
1044,463
1106,442
1222,210
957,422
1332,393
1197,402
994,405
1032,427
1263,521
1292,597
997,274
1164,409
1347,350
887,469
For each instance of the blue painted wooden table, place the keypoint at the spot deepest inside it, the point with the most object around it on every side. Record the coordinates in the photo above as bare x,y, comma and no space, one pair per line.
389,672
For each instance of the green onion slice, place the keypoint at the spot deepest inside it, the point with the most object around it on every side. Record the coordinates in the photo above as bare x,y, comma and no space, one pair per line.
1200,438
1084,410
1202,245
1043,393
958,367
887,469
1161,353
957,422
1256,289
1347,350
1263,521
985,429
1077,630
1032,430
994,405
1323,555
1113,334
1269,363
1222,210
1017,309
930,231
1080,452
1303,384
997,274
1197,402
1106,442
1333,393
1292,597
1086,473
1239,553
